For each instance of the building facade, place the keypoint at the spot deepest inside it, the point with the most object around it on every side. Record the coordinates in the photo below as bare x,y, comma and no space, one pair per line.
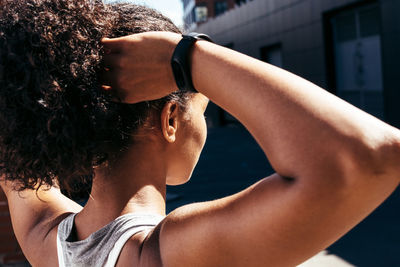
348,47
10,252
198,11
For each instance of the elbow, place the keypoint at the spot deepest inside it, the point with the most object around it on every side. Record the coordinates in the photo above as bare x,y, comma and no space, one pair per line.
375,161
389,157
368,162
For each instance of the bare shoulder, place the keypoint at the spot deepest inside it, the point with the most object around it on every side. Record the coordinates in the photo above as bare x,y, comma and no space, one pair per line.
46,253
198,234
259,225
131,252
35,216
149,251
192,234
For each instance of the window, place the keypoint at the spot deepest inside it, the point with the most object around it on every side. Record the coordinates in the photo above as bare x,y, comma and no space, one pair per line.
272,54
239,2
201,13
369,22
189,19
345,26
357,58
220,7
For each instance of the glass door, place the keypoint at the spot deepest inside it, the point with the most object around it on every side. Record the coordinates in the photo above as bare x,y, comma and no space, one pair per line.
358,66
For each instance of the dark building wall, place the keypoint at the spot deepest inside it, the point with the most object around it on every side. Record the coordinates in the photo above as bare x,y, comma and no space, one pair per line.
295,25
300,31
390,10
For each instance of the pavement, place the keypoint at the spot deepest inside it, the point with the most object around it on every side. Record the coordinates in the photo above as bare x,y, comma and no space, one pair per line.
231,161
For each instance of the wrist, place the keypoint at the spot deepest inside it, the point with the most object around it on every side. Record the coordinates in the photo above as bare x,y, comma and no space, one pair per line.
201,65
181,61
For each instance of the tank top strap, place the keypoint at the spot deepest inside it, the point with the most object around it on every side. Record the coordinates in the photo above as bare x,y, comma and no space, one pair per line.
64,227
103,247
118,246
60,255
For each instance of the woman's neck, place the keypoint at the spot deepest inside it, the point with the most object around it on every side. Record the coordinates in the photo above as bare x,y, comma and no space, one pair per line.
136,184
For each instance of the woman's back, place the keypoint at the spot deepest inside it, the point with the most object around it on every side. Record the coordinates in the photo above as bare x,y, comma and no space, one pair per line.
101,248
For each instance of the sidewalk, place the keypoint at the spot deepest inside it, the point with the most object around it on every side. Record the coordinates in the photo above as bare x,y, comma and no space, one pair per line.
324,259
231,161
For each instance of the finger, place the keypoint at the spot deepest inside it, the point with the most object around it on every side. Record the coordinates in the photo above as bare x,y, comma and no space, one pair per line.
108,78
111,94
112,61
113,45
110,86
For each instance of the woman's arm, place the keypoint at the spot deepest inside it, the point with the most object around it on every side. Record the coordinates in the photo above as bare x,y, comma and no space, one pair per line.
300,126
335,164
34,215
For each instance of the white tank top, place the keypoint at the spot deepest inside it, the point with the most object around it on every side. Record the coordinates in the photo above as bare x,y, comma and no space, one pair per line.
101,248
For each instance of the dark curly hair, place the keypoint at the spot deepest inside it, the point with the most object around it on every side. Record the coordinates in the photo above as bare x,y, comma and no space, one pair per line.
56,125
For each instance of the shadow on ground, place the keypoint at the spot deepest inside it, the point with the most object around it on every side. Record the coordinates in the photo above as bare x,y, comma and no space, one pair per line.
231,161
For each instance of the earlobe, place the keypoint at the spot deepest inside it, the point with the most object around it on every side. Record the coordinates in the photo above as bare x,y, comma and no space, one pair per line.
169,121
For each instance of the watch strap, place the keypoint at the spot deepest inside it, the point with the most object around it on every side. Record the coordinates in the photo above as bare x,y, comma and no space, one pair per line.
180,61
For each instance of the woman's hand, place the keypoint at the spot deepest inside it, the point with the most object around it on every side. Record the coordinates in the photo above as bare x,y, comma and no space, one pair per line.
138,66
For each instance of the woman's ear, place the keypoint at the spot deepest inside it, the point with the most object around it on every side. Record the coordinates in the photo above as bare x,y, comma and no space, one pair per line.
169,121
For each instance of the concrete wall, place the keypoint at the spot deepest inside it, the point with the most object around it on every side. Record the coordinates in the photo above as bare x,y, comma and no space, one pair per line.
300,28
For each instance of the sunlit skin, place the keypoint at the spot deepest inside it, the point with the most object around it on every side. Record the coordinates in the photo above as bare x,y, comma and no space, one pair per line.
165,151
334,165
185,148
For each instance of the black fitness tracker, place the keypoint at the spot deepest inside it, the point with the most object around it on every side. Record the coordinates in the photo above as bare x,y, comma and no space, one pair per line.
180,61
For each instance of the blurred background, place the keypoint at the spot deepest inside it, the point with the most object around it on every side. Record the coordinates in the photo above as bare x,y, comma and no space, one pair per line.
348,47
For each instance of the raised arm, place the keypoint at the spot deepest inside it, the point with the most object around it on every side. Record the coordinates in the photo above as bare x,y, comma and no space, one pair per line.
292,119
335,164
35,215
300,126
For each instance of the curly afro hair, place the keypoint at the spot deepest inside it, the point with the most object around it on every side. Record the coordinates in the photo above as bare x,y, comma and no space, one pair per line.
56,125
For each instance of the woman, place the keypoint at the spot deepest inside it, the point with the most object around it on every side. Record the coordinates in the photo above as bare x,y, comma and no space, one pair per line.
334,163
